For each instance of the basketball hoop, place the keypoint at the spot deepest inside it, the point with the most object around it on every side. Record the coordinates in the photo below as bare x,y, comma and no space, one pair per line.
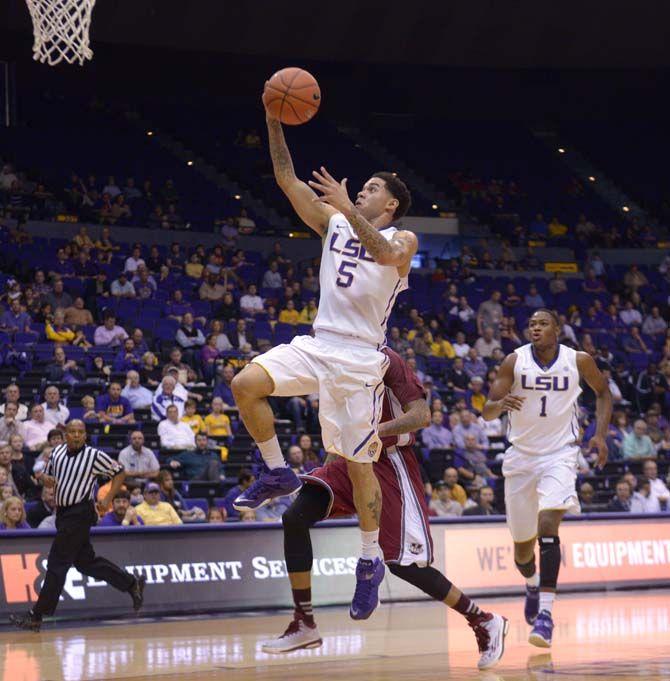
61,29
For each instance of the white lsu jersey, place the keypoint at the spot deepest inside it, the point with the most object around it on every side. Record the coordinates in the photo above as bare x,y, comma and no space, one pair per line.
548,420
357,294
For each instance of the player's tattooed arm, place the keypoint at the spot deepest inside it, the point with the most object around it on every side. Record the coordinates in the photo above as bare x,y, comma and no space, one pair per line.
304,201
397,251
416,416
589,371
499,399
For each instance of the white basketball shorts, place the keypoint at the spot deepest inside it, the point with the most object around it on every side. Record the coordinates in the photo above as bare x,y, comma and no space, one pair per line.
349,378
538,482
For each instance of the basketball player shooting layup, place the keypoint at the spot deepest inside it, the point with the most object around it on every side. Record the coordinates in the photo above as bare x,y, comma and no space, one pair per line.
538,384
364,266
404,529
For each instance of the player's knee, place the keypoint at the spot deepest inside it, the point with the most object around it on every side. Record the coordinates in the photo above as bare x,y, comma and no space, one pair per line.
359,472
251,383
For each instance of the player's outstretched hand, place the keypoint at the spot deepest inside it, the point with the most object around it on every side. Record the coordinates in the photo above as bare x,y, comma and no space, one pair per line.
512,402
597,442
334,193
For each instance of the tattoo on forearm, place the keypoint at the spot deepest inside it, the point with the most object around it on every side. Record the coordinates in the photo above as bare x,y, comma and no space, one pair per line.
375,244
281,157
375,507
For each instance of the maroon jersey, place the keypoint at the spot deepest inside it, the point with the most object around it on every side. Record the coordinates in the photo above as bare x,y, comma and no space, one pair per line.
404,533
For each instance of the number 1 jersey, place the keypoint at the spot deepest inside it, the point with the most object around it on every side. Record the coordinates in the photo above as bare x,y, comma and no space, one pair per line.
548,420
357,294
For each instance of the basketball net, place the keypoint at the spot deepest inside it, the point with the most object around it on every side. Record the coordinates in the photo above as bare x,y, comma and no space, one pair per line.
61,30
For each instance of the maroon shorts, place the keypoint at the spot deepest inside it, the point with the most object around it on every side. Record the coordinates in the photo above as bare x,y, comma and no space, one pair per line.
404,532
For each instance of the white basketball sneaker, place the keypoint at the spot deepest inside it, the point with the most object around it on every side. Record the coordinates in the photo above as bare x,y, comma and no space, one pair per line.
298,635
490,631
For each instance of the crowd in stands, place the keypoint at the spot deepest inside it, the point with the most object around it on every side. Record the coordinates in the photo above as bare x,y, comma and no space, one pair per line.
142,343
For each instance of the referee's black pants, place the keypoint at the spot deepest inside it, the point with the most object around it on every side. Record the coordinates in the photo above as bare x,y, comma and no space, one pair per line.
72,547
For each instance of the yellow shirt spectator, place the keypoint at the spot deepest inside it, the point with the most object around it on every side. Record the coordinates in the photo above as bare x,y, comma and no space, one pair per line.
412,334
291,316
308,314
158,514
62,335
217,425
441,347
195,423
478,401
194,269
557,228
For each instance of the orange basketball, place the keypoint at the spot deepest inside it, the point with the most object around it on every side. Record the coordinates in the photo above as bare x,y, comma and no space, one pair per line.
292,95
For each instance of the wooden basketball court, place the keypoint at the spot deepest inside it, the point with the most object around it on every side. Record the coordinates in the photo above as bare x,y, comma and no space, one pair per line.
605,636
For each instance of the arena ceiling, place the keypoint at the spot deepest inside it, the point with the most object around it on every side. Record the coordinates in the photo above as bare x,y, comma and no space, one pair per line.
477,33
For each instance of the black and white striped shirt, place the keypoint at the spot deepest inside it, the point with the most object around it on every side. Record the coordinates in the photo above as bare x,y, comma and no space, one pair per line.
76,473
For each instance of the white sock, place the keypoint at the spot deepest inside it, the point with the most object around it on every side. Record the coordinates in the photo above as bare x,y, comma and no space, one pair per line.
547,600
271,452
370,544
533,581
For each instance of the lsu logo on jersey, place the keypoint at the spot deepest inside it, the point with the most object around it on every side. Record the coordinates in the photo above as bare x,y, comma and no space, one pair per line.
557,383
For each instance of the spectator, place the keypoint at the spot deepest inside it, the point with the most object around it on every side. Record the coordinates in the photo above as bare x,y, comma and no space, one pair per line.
222,342
78,315
272,277
621,503
586,494
138,338
217,424
113,407
128,358
638,445
468,426
10,424
592,284
461,348
139,461
273,512
55,413
63,267
474,365
654,324
311,458
643,500
289,315
90,414
533,299
444,506
310,282
13,515
109,333
486,344
308,312
211,289
36,430
242,336
251,303
121,287
177,307
210,461
486,503
15,320
105,243
634,279
245,479
154,511
651,387
557,284
397,342
630,316
134,261
228,309
56,331
436,435
185,374
475,397
658,487
456,491
209,354
58,298
175,434
475,458
490,314
122,513
145,285
194,421
167,395
150,373
170,495
223,388
216,515
296,460
44,508
189,338
634,343
441,347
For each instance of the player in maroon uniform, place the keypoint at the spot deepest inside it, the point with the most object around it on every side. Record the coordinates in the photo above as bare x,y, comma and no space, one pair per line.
404,529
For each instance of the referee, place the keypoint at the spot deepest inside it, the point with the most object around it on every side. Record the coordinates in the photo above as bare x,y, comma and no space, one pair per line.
73,468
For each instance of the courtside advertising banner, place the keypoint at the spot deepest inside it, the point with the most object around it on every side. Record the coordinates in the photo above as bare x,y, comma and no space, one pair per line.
213,568
614,553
